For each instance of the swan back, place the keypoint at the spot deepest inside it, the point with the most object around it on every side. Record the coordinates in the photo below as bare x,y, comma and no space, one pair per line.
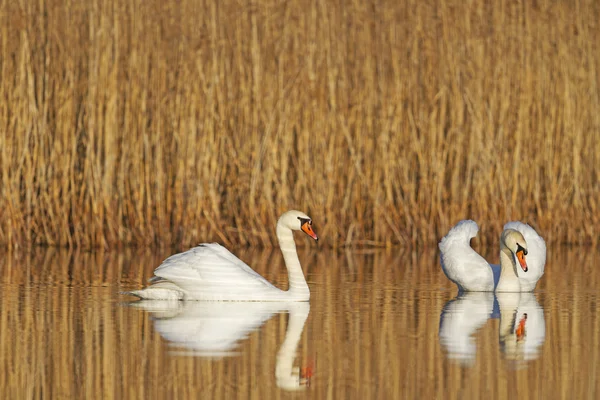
536,255
210,272
463,265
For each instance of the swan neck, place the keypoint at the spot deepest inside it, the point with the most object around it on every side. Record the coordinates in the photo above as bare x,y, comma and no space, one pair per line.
298,288
509,279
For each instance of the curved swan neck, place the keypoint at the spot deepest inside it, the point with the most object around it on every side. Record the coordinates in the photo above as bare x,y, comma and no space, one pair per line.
509,279
298,288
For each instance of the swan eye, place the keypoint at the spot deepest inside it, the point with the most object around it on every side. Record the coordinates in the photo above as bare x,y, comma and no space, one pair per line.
521,248
304,220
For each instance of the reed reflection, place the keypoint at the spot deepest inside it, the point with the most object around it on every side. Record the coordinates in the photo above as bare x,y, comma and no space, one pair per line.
215,330
522,328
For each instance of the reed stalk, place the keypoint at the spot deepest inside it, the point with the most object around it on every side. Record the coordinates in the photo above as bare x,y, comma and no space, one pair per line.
160,123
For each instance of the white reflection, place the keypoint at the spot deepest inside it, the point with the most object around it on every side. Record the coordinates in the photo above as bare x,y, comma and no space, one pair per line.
460,319
522,326
215,329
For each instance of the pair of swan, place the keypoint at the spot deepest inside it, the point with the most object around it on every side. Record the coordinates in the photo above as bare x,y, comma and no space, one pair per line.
522,259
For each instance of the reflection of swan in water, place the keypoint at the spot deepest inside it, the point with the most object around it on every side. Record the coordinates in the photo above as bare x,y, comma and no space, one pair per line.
522,326
214,329
289,377
460,318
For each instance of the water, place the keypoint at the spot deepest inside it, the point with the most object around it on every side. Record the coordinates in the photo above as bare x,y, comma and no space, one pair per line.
383,324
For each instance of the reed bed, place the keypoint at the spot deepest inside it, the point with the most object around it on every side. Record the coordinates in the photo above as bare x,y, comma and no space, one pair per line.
174,122
63,336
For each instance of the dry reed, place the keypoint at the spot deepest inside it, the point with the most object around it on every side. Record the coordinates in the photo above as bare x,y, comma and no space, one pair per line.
160,123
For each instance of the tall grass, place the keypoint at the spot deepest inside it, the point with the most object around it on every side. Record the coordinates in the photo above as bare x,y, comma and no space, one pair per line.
157,123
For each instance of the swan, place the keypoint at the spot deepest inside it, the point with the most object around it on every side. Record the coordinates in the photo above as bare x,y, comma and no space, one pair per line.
471,272
211,272
536,255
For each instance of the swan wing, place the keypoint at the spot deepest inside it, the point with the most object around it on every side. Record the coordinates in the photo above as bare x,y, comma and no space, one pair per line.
463,265
209,265
536,255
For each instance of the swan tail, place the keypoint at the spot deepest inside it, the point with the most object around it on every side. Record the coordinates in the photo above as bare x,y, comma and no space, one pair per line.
162,290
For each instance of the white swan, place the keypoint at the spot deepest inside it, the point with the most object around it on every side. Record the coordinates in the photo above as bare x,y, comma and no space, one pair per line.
536,255
211,272
471,272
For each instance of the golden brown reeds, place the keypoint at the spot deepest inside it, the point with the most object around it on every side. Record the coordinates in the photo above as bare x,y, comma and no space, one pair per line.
372,332
153,122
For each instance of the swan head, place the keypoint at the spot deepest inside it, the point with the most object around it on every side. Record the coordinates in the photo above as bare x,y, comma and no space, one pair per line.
297,221
516,243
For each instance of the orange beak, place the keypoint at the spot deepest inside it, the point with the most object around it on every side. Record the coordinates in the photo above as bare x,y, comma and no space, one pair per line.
521,258
307,228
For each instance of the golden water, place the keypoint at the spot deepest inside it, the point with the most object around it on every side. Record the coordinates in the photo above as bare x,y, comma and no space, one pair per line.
373,331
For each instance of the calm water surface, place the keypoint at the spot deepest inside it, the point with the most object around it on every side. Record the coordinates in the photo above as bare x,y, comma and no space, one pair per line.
379,325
